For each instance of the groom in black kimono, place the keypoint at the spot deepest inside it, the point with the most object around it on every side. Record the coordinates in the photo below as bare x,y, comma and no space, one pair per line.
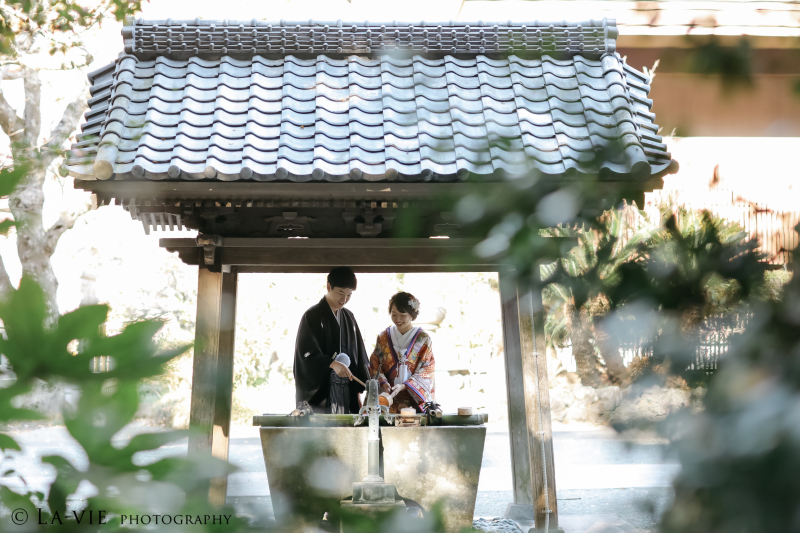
329,350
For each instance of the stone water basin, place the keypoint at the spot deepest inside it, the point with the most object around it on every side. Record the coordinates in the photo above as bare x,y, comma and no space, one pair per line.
312,463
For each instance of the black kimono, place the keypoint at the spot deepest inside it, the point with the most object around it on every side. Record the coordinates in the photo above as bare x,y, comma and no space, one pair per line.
319,338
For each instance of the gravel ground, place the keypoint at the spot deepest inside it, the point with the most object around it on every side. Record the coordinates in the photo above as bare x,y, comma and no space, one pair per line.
495,525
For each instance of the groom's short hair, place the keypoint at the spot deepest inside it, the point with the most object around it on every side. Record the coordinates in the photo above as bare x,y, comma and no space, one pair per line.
343,277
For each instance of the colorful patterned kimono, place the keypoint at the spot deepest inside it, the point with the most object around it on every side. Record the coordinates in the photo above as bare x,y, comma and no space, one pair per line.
385,363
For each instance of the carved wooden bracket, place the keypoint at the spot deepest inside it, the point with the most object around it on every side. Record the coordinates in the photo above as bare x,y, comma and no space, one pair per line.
369,221
369,228
210,243
290,225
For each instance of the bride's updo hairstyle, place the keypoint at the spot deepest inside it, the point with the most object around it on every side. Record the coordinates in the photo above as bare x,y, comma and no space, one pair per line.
405,302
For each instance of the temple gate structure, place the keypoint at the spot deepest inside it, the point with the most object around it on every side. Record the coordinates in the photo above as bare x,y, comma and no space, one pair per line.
295,146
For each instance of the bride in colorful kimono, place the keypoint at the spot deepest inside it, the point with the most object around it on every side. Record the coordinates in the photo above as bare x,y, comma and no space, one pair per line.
402,361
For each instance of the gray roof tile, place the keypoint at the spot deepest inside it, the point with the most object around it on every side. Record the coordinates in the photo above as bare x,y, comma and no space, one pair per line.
275,116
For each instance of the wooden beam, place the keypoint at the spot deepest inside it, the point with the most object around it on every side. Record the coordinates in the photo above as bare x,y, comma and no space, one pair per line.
353,257
363,255
241,190
220,438
366,269
319,243
537,407
522,506
306,191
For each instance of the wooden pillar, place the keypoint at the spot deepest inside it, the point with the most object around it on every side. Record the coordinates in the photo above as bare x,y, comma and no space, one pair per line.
212,372
537,406
220,438
522,506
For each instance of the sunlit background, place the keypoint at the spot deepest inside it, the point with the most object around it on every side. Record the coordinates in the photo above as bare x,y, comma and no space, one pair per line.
110,255
736,144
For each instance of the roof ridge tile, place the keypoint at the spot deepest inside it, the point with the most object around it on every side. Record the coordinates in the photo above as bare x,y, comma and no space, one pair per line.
185,38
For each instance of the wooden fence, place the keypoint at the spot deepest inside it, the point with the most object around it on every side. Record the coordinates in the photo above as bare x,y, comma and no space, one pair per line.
712,340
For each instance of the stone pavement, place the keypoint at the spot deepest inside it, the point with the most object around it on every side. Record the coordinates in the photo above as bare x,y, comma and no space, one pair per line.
608,523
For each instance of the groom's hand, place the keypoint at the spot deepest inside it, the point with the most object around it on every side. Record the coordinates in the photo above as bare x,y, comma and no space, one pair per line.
341,370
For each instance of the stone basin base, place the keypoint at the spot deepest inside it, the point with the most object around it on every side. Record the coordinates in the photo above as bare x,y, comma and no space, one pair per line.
371,510
311,470
436,464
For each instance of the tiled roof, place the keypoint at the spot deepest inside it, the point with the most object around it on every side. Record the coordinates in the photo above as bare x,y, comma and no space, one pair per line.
416,118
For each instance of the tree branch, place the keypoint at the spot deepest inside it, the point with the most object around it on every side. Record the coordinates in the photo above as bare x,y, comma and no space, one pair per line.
11,71
33,106
5,281
67,124
9,121
64,223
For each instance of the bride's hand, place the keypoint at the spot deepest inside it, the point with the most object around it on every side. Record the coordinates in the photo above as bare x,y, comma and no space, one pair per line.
397,389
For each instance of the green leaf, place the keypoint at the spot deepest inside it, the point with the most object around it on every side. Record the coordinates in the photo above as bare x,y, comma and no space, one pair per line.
23,312
83,322
101,415
7,443
10,178
6,225
66,483
11,414
13,501
188,472
151,441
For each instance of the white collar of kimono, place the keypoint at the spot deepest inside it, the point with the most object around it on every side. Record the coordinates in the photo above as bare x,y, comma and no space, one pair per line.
400,341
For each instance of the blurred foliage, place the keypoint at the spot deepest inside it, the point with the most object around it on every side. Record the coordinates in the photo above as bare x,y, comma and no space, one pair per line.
663,273
57,20
631,231
125,483
739,454
732,64
9,179
739,443
566,323
108,401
